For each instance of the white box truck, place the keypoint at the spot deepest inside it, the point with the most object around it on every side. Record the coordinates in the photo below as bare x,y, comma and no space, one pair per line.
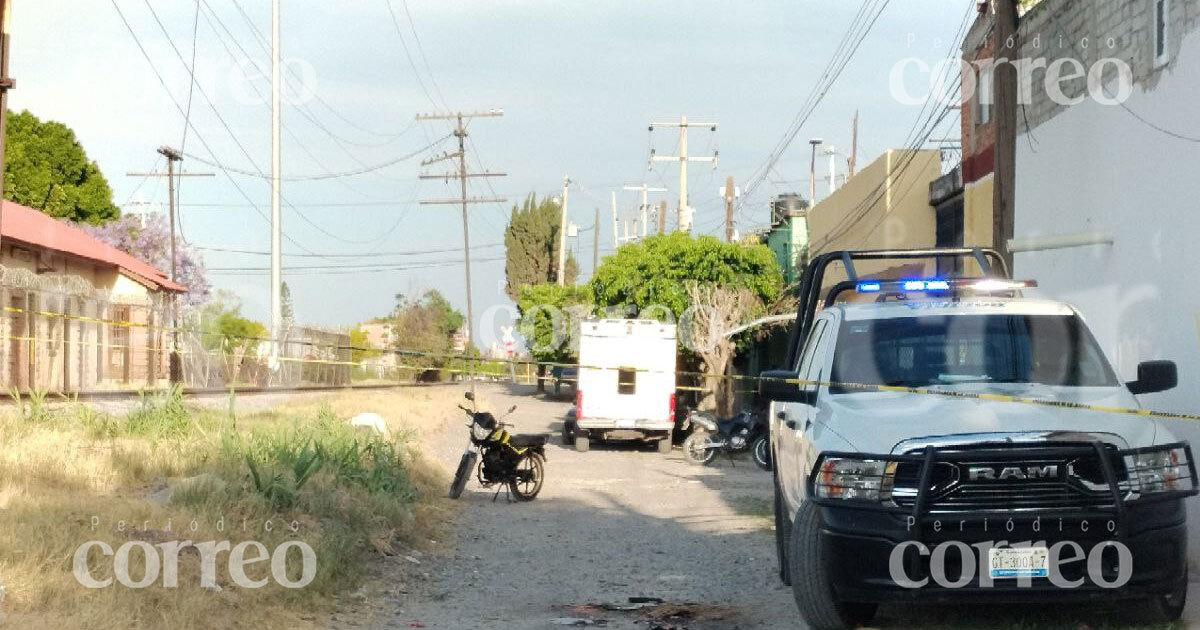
626,388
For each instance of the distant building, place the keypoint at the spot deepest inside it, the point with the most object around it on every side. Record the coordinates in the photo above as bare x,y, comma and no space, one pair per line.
788,235
82,315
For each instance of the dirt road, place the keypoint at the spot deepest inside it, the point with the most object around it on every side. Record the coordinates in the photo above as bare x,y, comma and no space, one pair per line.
611,524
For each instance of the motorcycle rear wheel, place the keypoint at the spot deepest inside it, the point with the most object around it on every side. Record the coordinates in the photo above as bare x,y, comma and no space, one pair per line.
531,470
696,451
462,474
760,451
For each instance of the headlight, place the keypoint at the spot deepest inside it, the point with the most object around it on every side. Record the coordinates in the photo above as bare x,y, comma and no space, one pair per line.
1159,471
862,479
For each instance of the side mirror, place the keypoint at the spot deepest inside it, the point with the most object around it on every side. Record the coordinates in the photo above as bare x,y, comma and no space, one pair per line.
1154,376
469,396
780,386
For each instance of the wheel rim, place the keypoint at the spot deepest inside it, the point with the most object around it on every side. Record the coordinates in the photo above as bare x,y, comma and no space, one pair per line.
697,450
529,473
760,452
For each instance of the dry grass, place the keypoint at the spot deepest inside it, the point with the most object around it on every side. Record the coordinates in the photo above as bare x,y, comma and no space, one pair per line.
168,472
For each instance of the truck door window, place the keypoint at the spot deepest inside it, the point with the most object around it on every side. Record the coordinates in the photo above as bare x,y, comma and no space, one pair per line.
626,381
810,350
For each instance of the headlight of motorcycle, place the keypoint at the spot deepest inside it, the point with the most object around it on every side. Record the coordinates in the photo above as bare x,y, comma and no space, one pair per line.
1164,470
862,479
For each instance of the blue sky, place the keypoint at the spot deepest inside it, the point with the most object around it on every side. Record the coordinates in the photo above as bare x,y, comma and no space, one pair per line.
578,82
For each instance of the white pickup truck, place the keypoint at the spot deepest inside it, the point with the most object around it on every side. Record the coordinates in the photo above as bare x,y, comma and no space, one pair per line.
947,440
626,388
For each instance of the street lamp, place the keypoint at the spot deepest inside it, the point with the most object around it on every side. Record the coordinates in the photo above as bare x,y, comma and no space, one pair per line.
812,172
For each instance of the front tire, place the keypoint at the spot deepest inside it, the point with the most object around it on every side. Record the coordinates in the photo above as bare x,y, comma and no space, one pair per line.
531,469
760,450
696,451
811,580
462,474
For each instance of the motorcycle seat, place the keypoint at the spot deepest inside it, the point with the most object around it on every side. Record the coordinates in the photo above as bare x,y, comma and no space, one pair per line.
526,441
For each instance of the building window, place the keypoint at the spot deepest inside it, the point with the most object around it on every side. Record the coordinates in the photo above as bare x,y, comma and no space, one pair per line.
1162,30
983,97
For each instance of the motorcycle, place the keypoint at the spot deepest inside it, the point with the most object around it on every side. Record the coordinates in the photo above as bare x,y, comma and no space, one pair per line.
746,431
515,462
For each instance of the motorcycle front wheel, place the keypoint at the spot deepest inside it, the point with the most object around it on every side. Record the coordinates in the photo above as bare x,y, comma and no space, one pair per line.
696,450
761,451
465,466
527,481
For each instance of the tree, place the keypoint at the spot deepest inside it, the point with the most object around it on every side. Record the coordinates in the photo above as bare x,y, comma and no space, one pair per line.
224,331
716,310
531,246
426,325
549,319
360,345
148,238
706,285
654,271
46,168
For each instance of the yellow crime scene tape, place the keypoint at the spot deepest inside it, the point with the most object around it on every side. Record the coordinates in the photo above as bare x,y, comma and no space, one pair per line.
527,364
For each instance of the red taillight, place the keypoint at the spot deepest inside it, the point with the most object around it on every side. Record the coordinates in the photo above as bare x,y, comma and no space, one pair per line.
671,407
578,403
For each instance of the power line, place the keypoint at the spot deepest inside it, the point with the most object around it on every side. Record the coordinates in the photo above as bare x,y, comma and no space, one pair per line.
325,176
859,28
333,256
162,81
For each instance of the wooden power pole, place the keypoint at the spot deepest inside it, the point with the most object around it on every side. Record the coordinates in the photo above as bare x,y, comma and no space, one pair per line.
174,156
662,217
1004,77
6,84
460,132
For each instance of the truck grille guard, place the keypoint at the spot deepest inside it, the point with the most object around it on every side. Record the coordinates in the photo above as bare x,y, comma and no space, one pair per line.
1079,480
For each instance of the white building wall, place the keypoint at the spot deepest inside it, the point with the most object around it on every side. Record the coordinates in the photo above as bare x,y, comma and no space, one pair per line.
1098,168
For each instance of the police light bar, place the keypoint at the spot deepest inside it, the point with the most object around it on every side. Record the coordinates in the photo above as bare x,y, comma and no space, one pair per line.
938,285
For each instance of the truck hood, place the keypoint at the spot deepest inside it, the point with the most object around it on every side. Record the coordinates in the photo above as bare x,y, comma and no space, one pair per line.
891,422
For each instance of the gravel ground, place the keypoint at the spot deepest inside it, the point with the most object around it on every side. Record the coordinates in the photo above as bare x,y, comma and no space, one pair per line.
615,523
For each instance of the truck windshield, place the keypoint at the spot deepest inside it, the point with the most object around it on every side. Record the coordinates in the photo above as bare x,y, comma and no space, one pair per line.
953,349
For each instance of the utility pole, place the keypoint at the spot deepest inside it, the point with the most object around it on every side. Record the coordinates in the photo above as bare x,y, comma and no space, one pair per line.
460,132
276,180
646,190
812,172
175,369
662,217
6,84
561,272
1004,77
616,240
852,161
832,153
596,242
730,193
685,216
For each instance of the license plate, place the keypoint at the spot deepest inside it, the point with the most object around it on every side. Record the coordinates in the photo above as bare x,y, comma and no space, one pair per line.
626,423
1018,562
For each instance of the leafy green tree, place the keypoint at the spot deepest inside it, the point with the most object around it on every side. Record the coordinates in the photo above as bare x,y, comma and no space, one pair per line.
655,270
46,168
362,348
531,246
724,284
426,325
549,320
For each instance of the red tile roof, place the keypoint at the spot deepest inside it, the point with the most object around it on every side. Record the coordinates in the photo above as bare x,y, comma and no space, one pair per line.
29,226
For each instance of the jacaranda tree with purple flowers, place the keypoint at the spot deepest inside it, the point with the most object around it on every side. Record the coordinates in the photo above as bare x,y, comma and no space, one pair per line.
148,238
